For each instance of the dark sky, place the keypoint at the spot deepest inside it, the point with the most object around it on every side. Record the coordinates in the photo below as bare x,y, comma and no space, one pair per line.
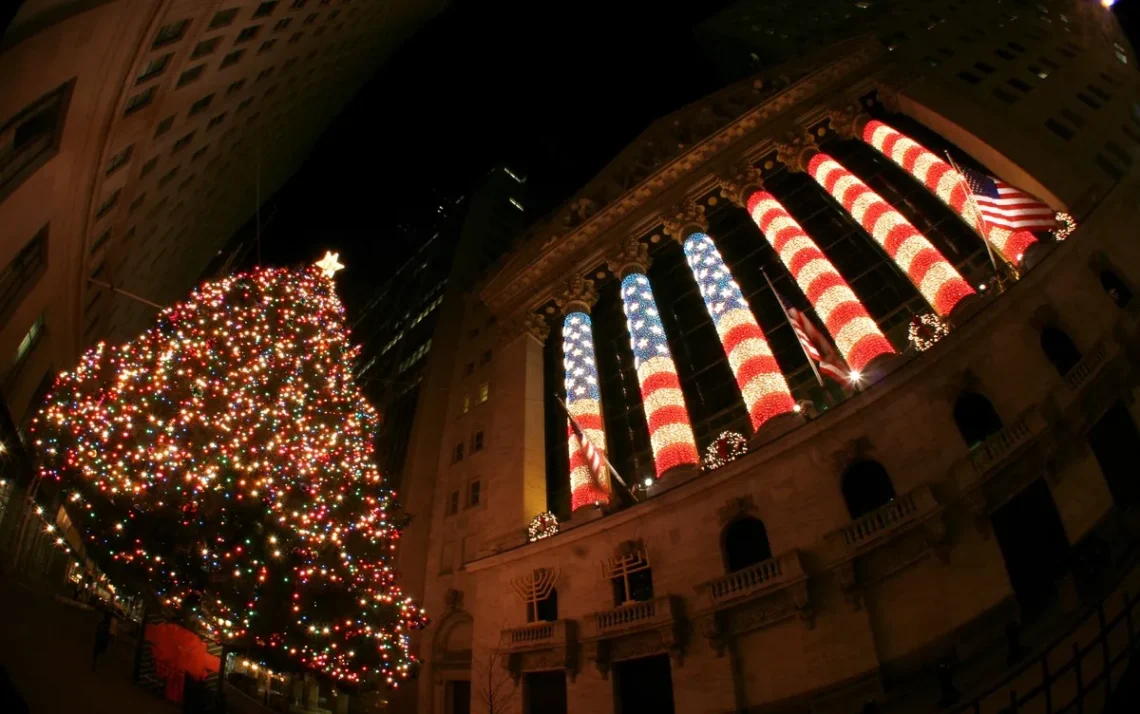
557,89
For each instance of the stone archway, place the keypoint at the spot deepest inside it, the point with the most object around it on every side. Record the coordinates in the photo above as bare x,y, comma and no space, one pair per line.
451,664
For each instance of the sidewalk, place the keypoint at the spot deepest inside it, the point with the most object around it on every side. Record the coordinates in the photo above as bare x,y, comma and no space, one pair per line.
45,644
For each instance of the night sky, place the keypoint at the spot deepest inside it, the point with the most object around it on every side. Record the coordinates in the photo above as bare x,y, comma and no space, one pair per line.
556,92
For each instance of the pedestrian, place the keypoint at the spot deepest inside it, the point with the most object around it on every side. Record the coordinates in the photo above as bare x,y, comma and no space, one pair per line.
102,638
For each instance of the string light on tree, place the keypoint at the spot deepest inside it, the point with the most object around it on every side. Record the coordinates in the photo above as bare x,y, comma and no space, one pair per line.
729,446
927,329
224,461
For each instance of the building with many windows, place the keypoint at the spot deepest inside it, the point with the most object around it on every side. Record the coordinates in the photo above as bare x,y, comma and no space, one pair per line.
917,504
135,138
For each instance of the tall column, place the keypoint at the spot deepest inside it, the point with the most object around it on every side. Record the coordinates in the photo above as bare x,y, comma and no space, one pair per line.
938,176
934,277
583,395
855,334
762,385
670,431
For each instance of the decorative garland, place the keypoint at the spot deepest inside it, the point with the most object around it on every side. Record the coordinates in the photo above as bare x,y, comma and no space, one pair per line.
729,446
927,329
542,526
1068,225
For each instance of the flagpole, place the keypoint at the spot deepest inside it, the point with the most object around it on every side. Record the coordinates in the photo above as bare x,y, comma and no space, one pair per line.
977,215
784,309
601,453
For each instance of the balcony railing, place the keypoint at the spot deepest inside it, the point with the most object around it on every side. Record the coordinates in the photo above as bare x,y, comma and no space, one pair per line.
1088,367
752,581
534,635
879,524
633,616
1001,446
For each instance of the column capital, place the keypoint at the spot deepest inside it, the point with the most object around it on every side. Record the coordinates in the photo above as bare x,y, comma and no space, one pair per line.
631,257
683,221
889,89
848,120
528,324
796,150
579,296
739,182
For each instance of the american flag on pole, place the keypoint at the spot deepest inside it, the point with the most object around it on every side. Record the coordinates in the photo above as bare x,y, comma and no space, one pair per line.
817,347
594,461
1008,206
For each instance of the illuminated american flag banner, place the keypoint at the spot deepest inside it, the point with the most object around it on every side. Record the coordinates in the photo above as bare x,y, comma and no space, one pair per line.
761,383
588,484
936,279
670,432
950,186
1009,206
855,333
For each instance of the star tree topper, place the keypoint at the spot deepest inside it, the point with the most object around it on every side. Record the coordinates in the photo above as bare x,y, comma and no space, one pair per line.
330,264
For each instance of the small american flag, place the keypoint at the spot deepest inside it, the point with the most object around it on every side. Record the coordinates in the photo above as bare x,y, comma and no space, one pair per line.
1008,206
594,459
817,346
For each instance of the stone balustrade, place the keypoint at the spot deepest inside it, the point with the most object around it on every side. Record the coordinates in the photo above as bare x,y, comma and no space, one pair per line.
534,635
631,617
751,582
1083,372
880,525
1003,446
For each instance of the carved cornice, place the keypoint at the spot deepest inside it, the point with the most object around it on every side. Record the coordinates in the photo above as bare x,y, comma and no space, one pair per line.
796,150
579,296
527,324
848,120
889,89
683,221
631,257
740,182
532,266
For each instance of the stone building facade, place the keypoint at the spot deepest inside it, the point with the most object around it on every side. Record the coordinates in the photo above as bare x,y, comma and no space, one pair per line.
875,536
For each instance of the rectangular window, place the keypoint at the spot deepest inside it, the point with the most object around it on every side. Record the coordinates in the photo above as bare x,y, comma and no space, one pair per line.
190,75
1059,129
182,143
477,441
1041,73
474,493
21,273
137,203
1067,52
297,4
170,33
484,392
153,68
1114,172
225,18
296,37
119,160
311,18
107,204
31,339
453,503
148,167
100,241
1075,119
466,403
244,104
29,139
984,68
214,122
1004,95
1116,150
1049,63
282,24
263,74
168,177
968,78
266,46
138,101
486,359
201,104
205,47
1087,100
1005,54
1130,133
469,368
458,452
1019,85
232,58
248,34
235,87
265,8
1015,46
1100,92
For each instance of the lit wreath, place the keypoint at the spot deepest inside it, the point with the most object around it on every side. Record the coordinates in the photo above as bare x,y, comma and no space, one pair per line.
542,526
729,446
1066,227
927,329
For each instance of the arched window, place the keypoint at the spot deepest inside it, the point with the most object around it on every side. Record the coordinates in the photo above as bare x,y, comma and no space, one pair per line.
545,610
866,487
1060,349
744,542
976,418
1115,287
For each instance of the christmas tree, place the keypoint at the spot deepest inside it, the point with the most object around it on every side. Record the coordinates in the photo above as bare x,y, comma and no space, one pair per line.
223,463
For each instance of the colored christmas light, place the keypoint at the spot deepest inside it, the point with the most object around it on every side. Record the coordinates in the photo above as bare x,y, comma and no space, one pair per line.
761,383
925,330
584,400
728,446
943,181
929,271
224,461
544,525
670,432
855,334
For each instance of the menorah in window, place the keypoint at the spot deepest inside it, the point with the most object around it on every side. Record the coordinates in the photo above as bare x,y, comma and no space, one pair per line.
537,591
629,573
